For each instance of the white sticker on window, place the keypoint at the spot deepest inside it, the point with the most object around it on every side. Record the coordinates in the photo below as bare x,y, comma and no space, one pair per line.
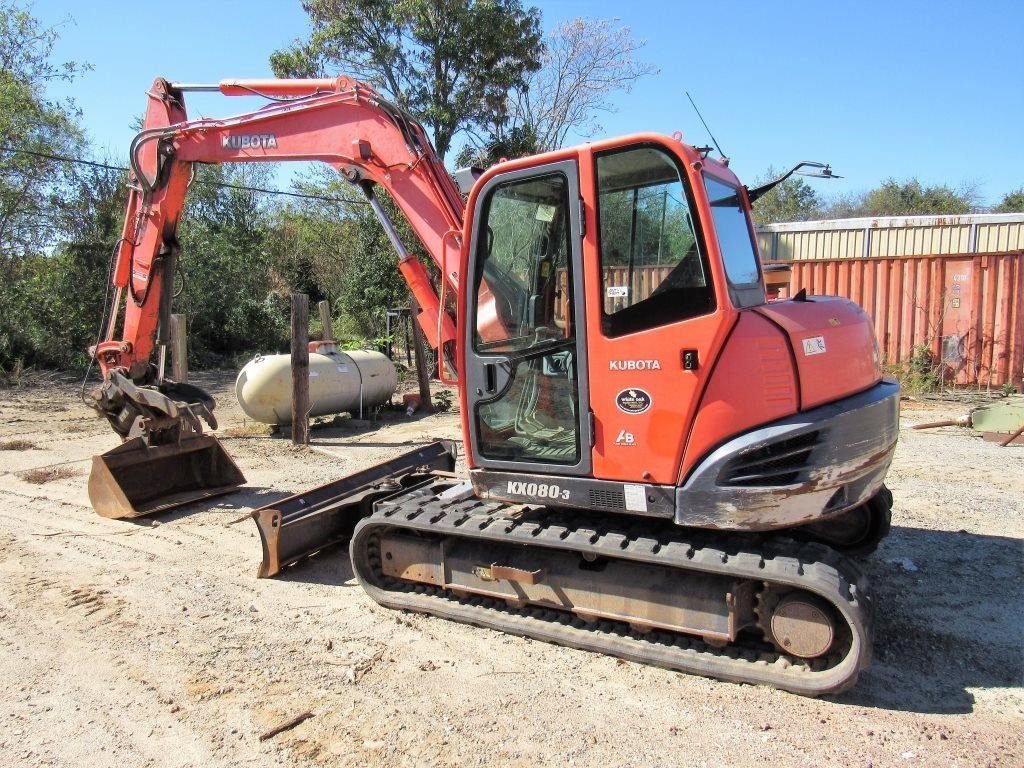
814,346
616,291
635,497
545,212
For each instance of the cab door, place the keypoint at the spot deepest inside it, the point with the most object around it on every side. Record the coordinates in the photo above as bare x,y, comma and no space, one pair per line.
525,344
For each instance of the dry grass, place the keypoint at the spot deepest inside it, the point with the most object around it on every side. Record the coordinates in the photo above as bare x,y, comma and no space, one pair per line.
17,445
47,474
248,429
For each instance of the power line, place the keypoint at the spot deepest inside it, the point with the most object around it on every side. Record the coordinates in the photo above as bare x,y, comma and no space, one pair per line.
225,185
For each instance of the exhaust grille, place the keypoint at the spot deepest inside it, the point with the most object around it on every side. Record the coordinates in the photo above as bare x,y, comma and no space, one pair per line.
775,464
613,500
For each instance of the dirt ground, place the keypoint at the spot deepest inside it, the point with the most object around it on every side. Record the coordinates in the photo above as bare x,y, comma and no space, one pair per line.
153,644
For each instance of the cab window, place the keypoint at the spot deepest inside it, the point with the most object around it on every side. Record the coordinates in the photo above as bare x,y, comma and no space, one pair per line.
732,228
652,269
522,295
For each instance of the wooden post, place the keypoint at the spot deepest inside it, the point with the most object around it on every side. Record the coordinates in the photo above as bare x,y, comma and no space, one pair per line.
300,369
422,372
325,320
179,349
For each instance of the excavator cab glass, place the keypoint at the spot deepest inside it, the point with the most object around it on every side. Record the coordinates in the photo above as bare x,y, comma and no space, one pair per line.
527,348
652,270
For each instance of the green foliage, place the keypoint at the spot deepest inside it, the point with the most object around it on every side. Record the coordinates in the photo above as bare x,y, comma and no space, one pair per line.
442,400
1012,202
792,200
62,294
233,296
796,200
344,253
519,141
449,62
908,198
893,198
39,198
921,376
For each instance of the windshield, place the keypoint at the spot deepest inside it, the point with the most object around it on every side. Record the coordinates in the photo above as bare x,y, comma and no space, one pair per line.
735,243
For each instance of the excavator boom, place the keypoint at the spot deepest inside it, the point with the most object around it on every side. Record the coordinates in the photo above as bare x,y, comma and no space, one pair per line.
341,122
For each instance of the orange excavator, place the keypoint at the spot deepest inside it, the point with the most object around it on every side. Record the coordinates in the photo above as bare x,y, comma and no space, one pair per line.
662,465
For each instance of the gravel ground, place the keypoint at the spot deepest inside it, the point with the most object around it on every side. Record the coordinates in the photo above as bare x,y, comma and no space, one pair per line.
152,644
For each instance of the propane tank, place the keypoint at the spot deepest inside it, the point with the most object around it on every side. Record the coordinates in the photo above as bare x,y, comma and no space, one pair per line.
355,381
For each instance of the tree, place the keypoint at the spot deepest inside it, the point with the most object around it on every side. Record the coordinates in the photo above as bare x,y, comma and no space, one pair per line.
30,123
585,62
449,62
908,198
792,200
61,295
34,190
1012,202
343,251
893,198
230,290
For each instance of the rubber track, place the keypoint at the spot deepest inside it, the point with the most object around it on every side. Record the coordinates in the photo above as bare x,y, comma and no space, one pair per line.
809,566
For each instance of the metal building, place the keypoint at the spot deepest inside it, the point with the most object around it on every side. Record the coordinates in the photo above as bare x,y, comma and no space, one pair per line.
892,237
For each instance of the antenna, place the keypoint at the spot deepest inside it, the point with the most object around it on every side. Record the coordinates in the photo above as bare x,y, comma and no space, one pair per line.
725,160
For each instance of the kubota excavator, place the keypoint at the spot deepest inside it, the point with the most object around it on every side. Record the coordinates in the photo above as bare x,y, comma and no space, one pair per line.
662,465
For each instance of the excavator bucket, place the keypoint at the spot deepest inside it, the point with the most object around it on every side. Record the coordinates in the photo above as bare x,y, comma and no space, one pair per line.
136,479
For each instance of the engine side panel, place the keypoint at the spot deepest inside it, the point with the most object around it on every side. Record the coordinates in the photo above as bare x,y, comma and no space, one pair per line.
833,344
753,383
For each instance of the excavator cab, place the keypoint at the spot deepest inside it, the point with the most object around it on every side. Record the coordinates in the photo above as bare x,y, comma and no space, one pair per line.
629,335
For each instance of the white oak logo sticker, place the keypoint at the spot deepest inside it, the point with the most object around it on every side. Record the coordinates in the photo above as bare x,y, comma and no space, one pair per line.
633,401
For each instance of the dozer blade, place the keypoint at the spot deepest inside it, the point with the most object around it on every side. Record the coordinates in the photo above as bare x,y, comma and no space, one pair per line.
300,525
135,479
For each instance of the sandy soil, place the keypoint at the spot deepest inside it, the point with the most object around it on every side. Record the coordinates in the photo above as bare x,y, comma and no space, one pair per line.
127,644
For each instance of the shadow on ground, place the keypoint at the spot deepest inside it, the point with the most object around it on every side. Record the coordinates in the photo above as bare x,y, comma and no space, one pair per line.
239,502
330,566
949,617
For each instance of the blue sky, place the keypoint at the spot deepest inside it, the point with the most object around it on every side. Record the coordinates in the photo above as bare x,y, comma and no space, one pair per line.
897,89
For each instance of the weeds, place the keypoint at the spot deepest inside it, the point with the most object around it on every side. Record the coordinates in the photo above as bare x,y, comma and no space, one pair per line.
443,400
47,474
17,445
248,429
921,376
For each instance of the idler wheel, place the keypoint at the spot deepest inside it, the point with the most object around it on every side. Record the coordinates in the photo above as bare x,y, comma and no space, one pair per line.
802,625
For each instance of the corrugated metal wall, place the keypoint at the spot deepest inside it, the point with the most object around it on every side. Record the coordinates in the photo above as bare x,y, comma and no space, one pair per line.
1001,237
891,236
965,309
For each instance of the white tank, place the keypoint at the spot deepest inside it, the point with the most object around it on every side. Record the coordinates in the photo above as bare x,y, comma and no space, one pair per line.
355,381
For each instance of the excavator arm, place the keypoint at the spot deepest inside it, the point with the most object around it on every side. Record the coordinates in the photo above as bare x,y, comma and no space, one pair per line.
341,122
